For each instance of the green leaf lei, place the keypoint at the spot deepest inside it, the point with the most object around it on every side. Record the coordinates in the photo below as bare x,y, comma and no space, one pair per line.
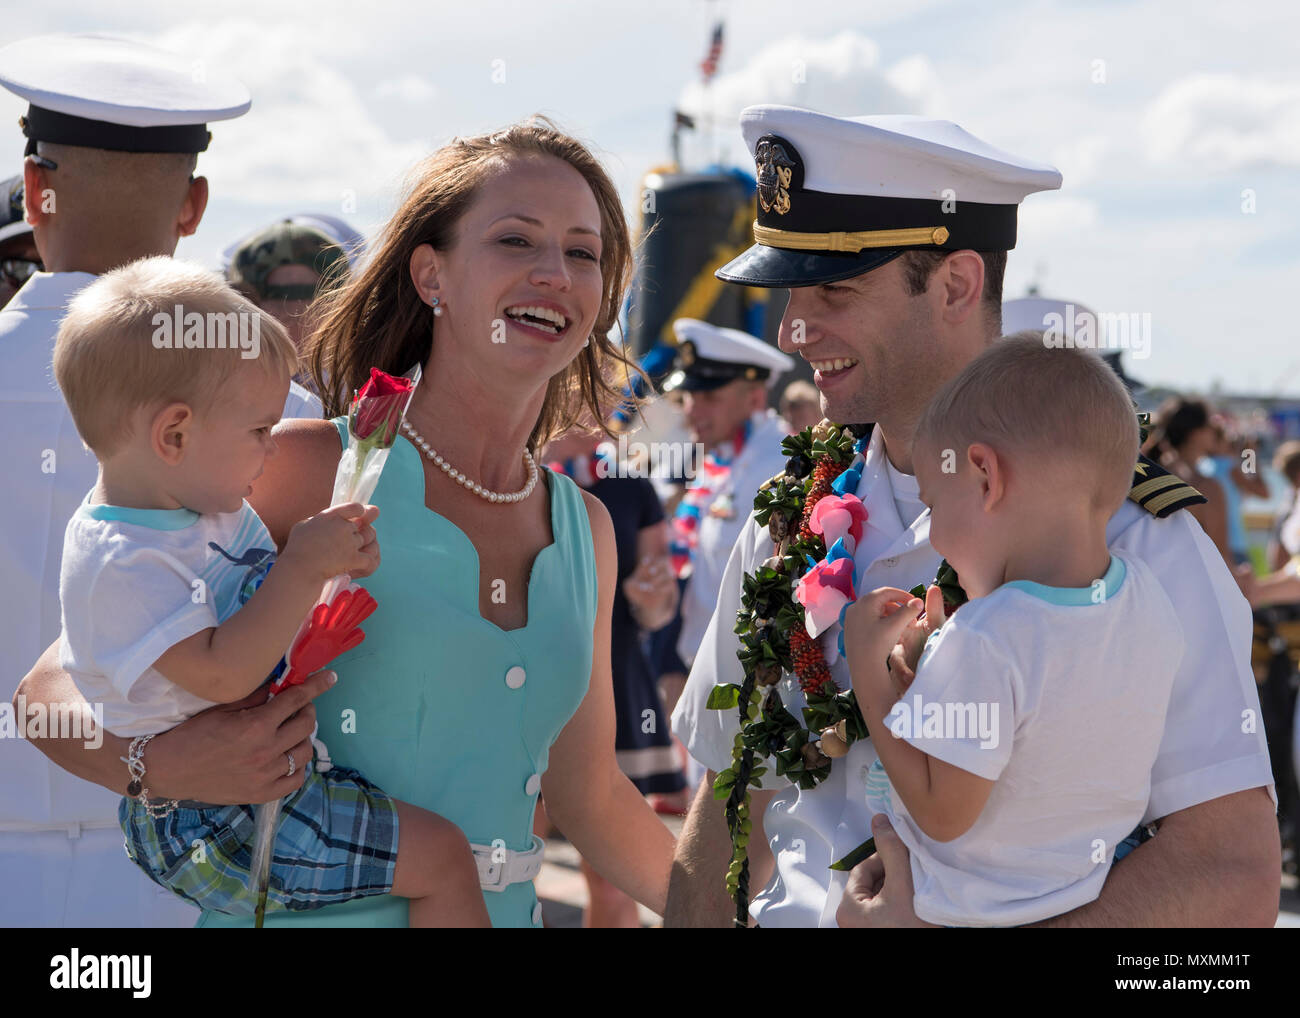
773,641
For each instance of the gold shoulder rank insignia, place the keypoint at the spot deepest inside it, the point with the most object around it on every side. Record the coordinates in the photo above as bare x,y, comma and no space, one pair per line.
1159,492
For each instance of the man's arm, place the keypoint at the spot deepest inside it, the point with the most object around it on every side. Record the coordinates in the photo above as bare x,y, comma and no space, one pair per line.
1215,864
231,754
697,889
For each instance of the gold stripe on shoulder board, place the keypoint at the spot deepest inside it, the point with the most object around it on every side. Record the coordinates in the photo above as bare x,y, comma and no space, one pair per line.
771,481
1159,492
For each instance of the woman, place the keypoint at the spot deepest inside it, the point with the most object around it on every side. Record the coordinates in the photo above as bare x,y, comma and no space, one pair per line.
1181,434
646,599
487,664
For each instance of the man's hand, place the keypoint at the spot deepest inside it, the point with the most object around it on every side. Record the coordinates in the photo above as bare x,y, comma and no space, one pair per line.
236,753
879,892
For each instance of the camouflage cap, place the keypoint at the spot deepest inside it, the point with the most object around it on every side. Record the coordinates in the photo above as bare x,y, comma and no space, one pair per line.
286,243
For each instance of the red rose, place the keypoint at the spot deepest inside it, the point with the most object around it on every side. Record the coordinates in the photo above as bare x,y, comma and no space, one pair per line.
377,409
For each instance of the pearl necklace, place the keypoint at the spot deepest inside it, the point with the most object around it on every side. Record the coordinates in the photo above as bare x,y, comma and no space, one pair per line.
474,486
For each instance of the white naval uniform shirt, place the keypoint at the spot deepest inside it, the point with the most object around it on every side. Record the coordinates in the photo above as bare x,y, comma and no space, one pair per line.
61,857
1204,753
758,460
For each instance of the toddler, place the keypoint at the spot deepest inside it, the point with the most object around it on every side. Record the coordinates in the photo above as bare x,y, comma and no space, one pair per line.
1020,756
170,604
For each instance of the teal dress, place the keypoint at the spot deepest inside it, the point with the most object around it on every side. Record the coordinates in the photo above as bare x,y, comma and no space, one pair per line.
443,709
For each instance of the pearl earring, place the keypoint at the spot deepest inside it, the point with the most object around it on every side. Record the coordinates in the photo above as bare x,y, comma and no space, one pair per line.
436,304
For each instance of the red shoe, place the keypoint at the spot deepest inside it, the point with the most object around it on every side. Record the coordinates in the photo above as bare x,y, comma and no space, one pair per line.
669,804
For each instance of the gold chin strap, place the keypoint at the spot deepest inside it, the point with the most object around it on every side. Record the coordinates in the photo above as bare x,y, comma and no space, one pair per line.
849,243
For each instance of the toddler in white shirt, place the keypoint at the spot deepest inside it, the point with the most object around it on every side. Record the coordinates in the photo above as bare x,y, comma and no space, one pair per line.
1020,755
174,598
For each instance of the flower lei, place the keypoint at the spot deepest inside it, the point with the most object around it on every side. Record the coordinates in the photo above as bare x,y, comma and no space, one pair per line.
787,602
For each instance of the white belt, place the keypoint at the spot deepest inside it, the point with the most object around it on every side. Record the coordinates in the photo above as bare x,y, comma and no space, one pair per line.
72,828
498,866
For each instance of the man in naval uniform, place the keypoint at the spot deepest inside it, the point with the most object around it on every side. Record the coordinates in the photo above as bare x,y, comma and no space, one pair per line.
891,233
724,377
113,132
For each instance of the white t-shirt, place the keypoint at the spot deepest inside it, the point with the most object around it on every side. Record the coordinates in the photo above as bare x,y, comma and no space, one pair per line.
135,582
1058,696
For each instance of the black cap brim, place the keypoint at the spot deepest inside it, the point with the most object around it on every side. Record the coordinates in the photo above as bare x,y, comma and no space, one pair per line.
684,381
780,267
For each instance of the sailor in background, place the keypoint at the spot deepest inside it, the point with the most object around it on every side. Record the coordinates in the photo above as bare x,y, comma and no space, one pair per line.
724,377
19,259
113,132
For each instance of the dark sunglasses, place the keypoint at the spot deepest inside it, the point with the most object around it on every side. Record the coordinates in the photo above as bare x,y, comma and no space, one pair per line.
16,271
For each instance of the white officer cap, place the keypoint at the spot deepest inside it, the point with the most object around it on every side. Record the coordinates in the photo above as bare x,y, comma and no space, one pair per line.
100,92
1070,322
710,356
838,196
1038,314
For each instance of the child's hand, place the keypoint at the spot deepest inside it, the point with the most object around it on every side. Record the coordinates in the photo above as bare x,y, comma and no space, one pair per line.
338,540
907,652
873,625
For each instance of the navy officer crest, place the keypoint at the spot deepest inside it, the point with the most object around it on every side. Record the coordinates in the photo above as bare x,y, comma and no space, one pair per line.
775,162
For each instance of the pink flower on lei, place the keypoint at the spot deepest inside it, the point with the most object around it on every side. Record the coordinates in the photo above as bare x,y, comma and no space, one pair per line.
839,516
823,591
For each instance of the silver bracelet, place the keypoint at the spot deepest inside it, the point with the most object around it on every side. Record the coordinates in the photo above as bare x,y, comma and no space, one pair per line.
134,761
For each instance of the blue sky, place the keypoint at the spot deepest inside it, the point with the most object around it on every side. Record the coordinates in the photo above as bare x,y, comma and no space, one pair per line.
1165,118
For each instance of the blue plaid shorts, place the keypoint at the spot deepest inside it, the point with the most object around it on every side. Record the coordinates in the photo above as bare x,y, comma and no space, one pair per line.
336,840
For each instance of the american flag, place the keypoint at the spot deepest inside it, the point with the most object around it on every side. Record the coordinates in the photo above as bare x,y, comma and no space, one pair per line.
709,66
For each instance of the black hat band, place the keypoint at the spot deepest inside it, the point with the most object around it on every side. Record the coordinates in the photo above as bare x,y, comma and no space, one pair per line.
805,220
41,124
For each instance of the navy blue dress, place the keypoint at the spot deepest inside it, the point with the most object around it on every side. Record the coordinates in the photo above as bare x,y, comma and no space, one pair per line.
644,741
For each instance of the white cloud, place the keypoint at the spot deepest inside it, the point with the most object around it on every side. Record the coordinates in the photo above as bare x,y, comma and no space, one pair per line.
309,137
841,75
1223,122
409,88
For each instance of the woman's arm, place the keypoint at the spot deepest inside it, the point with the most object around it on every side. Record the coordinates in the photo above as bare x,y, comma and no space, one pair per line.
590,800
1213,515
298,480
651,590
229,755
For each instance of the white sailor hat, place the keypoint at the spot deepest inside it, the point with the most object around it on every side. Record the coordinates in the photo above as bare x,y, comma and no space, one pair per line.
710,356
838,196
1038,314
1071,322
100,92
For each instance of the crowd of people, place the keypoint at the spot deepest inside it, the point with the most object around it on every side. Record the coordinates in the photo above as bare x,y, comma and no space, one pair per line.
555,625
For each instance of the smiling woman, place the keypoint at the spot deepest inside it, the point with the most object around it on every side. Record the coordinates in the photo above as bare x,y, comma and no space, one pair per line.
485,677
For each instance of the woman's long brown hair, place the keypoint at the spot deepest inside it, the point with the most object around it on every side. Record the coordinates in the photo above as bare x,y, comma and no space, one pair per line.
377,319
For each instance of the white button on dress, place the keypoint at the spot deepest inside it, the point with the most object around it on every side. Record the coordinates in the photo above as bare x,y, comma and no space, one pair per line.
533,785
515,677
